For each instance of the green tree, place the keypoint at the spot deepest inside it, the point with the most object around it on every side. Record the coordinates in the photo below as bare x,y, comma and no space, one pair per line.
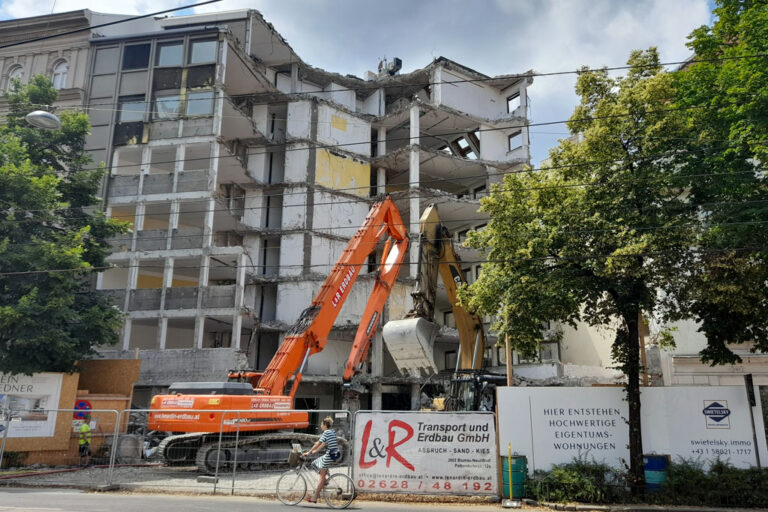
600,234
52,237
725,95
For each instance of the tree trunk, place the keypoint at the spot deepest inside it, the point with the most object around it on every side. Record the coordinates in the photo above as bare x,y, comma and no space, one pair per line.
632,369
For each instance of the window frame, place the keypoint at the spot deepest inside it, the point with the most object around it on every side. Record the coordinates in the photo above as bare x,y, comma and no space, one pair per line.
511,98
121,101
123,68
158,50
15,69
190,53
189,98
162,98
510,137
64,74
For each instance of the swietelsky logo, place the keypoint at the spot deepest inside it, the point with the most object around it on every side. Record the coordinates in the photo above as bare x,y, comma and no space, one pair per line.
716,414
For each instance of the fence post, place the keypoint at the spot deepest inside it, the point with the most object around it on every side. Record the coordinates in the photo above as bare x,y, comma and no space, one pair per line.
218,452
113,450
234,462
7,419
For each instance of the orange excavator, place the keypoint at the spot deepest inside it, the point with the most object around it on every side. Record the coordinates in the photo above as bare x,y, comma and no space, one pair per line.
268,396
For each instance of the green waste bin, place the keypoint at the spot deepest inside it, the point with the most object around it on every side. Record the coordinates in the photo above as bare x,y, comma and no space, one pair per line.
519,472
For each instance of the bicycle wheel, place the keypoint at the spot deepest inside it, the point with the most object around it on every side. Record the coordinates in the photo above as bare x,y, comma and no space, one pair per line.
339,491
291,487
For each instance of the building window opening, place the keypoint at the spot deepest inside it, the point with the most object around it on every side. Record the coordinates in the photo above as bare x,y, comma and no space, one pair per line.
513,102
200,103
136,56
203,52
59,78
167,107
465,149
516,141
15,73
170,54
130,110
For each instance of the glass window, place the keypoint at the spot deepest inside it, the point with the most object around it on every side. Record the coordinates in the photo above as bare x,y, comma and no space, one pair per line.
167,107
136,56
515,141
203,51
200,103
60,71
16,72
513,102
130,110
170,54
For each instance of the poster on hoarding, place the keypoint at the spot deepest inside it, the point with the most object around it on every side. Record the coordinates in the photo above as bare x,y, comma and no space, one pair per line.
27,397
554,425
425,453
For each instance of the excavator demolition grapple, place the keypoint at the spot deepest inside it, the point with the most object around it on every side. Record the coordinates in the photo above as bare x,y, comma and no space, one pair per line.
193,413
410,341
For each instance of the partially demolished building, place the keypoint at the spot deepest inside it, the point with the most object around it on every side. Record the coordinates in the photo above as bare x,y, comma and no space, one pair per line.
244,172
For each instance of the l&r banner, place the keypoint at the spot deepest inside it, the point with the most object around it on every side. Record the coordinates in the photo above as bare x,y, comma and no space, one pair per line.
425,452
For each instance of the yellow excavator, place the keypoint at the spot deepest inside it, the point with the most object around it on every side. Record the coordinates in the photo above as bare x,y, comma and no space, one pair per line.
410,341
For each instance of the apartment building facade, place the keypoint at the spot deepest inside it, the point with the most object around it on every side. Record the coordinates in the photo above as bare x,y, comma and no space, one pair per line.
245,171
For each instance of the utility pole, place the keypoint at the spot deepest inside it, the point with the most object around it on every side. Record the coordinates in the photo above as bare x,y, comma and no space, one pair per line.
508,356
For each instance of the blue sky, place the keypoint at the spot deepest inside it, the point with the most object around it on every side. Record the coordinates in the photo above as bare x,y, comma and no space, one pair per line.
491,36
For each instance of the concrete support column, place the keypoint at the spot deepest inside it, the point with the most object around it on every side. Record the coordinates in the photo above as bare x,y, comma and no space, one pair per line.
205,268
415,397
162,332
413,180
237,320
376,396
138,224
167,280
173,222
381,173
126,333
294,77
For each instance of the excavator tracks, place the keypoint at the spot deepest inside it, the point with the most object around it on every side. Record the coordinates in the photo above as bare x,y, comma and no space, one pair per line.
254,452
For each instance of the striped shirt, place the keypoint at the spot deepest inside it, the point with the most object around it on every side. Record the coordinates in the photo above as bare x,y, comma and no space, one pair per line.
329,438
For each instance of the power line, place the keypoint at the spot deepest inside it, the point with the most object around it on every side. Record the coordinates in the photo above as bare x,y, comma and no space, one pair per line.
756,250
61,34
373,85
448,180
567,231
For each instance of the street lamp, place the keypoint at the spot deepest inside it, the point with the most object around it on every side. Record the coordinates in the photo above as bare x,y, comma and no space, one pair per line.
44,120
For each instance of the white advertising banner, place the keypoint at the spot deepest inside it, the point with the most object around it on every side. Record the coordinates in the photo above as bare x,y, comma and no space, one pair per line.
425,452
554,425
26,397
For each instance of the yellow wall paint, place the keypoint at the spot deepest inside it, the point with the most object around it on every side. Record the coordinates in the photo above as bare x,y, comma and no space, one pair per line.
339,172
148,281
339,123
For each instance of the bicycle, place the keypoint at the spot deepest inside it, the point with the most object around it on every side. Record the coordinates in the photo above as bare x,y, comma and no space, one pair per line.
338,491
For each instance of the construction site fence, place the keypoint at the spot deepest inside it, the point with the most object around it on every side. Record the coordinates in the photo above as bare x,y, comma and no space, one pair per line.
125,454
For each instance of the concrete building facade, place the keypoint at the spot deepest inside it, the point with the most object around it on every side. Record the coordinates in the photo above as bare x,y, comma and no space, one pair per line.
245,171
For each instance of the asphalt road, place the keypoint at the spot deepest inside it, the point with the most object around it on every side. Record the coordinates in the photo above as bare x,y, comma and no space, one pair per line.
56,500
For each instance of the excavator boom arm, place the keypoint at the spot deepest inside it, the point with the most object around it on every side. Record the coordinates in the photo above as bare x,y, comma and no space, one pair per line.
310,333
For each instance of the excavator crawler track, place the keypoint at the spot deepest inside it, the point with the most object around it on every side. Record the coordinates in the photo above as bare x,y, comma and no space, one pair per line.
254,451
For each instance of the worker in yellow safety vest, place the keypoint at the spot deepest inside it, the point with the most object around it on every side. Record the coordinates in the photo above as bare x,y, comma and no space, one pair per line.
85,441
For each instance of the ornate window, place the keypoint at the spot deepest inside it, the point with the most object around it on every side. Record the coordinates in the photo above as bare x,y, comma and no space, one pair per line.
60,70
15,72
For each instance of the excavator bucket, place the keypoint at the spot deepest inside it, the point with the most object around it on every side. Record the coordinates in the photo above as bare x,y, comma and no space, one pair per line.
410,343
